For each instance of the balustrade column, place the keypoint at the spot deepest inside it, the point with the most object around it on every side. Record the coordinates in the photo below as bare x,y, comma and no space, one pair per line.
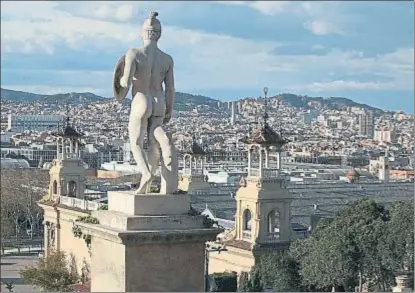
57,147
267,157
279,160
77,148
202,164
261,162
249,161
63,149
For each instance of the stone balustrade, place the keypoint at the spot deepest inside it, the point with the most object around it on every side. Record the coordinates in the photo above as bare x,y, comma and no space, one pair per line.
266,172
247,235
78,202
273,236
61,156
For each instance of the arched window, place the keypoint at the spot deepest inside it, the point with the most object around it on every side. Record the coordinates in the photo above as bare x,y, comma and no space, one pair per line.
274,224
187,164
72,188
55,187
247,220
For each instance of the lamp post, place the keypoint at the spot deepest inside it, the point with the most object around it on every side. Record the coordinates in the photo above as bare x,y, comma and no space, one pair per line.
209,248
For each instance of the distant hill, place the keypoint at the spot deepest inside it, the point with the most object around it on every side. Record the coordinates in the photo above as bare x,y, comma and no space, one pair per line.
187,102
71,98
183,101
333,103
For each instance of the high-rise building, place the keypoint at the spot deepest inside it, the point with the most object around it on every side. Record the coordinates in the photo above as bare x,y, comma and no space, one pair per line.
307,118
384,135
233,114
366,124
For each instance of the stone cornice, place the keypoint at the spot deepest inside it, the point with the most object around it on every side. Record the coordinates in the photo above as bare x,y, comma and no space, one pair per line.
146,237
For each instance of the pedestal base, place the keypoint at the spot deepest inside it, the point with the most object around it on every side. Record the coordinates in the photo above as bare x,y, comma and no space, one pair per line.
148,204
142,252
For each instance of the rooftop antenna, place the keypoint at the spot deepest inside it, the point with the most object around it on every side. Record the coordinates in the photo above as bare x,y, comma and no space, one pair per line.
279,120
265,117
67,112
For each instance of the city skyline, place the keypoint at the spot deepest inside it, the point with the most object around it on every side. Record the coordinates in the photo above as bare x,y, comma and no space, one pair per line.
227,50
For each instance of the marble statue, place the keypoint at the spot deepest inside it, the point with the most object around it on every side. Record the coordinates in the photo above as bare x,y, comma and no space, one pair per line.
146,69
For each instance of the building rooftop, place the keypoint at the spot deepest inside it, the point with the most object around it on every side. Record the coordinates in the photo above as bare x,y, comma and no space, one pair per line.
310,199
7,163
265,136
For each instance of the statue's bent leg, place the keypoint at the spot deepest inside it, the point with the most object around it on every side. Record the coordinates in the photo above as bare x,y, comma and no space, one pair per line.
169,164
137,128
165,145
153,153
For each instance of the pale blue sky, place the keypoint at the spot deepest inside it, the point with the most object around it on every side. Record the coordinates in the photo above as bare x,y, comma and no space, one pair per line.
226,50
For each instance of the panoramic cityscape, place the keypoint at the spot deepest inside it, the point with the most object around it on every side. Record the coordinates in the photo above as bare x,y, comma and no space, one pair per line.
217,146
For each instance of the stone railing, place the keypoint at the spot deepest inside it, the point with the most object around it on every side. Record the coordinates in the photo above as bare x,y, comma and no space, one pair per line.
302,234
247,235
266,172
270,173
187,171
69,201
67,156
273,236
254,172
78,203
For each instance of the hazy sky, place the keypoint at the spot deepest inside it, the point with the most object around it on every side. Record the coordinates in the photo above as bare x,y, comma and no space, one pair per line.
226,50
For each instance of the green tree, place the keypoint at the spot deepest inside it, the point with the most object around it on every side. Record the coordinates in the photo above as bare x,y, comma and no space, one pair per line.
250,282
9,286
255,280
367,221
346,251
399,239
327,263
243,284
279,271
51,274
224,282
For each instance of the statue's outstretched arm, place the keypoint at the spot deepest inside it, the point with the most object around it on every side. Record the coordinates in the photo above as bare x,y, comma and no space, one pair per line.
129,68
170,91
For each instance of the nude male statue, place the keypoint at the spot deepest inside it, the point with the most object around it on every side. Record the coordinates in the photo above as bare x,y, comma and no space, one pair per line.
146,68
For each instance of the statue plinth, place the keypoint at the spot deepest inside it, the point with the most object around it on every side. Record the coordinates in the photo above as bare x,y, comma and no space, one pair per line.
134,250
149,204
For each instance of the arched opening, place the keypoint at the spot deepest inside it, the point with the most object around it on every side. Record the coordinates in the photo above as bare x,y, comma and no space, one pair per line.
253,160
246,225
55,187
72,188
187,164
274,225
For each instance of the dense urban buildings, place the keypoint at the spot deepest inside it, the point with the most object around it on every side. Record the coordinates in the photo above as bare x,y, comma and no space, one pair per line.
21,123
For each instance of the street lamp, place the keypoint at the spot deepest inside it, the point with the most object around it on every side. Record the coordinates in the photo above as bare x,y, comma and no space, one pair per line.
209,248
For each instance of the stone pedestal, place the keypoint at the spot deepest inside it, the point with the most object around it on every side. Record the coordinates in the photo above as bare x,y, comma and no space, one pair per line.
147,243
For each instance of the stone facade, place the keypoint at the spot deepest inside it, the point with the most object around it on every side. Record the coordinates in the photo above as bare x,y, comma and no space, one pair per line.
58,220
164,251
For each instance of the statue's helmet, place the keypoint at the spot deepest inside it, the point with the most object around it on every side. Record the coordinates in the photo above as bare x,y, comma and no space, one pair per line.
151,29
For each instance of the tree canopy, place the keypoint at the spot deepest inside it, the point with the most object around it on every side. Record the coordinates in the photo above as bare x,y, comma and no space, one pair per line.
365,244
223,282
53,273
